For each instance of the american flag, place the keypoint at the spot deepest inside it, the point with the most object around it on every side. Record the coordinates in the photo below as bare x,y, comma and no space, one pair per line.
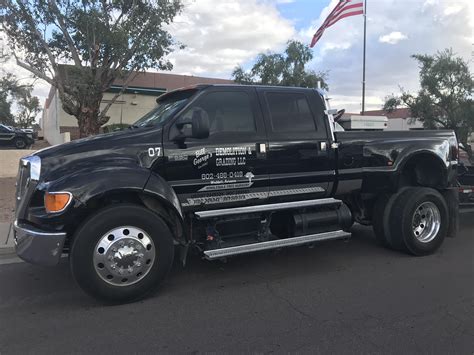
344,8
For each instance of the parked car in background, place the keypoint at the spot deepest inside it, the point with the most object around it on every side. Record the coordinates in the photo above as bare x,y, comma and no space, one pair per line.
30,131
14,137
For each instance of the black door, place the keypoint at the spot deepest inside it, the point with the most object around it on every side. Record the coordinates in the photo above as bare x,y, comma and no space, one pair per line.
227,168
300,159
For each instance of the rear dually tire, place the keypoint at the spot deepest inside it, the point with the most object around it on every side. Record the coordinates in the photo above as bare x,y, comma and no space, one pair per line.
418,220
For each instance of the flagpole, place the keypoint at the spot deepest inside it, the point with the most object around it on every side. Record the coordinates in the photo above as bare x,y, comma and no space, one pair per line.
363,60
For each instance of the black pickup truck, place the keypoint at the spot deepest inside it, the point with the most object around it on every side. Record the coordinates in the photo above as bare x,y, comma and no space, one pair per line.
226,170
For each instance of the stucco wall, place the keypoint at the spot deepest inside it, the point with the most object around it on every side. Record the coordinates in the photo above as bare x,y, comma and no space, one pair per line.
127,109
50,123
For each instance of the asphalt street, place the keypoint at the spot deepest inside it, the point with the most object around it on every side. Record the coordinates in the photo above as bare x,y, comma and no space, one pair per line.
338,297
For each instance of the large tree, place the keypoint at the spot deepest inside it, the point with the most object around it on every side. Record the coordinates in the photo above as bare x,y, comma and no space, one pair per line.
12,92
445,99
286,69
6,116
81,47
28,107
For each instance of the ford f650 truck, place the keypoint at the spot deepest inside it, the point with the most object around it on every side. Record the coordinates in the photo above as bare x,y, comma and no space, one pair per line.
226,170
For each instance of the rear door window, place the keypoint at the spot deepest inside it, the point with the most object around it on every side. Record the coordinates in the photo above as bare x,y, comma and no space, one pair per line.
289,112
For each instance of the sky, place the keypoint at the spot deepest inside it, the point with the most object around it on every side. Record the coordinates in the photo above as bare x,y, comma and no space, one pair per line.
221,34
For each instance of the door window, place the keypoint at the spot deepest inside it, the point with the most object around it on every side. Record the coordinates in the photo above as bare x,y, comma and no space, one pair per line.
289,112
228,113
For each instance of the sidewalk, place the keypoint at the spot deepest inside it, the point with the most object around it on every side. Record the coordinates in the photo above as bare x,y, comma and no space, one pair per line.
6,240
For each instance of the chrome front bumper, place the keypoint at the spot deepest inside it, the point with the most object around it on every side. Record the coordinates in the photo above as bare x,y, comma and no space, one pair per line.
36,246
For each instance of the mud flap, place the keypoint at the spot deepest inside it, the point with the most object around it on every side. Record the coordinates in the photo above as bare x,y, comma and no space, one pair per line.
452,200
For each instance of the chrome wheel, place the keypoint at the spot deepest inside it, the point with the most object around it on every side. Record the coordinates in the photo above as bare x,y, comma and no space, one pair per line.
124,255
426,222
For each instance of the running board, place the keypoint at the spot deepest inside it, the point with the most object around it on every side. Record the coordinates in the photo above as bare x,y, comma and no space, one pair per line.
269,207
274,244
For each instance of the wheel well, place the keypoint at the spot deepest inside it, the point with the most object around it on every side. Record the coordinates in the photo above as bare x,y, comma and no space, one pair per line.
423,169
148,201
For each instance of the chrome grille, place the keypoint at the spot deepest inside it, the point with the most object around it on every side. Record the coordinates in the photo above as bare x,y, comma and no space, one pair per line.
22,179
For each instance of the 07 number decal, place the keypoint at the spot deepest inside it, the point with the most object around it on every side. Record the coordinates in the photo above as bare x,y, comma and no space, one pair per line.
154,152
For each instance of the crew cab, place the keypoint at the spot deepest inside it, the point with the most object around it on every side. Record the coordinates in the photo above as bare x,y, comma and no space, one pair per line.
223,170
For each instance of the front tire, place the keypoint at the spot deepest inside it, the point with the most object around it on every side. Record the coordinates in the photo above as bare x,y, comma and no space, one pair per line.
122,253
419,221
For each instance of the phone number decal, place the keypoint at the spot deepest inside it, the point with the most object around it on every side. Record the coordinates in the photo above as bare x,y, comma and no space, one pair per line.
222,175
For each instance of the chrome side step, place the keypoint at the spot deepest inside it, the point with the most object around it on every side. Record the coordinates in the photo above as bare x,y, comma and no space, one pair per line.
269,207
274,244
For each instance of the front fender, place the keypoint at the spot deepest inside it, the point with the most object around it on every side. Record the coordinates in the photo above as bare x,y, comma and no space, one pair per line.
159,188
87,184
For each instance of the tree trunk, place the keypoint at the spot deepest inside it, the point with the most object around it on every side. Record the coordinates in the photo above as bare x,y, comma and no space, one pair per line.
88,122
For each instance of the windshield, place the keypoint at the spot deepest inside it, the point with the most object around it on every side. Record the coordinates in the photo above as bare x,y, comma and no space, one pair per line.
6,127
167,106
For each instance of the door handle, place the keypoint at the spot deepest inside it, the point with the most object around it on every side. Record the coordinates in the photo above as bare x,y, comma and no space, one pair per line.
261,148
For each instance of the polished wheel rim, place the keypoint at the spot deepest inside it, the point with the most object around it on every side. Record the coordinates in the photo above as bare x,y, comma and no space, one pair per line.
124,255
426,222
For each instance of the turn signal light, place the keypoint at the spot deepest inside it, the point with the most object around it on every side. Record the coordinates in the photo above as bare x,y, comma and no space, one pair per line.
56,201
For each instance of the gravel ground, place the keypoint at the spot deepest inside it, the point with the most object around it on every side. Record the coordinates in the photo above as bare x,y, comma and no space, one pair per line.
7,199
40,144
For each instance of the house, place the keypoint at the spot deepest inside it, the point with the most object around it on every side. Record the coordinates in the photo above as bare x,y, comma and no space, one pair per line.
138,99
398,120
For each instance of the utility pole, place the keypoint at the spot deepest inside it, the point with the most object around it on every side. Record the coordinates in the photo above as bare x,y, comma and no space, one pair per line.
363,60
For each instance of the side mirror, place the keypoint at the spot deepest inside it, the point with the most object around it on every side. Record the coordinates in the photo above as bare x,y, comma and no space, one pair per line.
200,124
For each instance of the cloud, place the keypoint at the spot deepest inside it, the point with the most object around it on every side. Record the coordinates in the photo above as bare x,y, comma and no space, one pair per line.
452,10
221,35
427,29
392,38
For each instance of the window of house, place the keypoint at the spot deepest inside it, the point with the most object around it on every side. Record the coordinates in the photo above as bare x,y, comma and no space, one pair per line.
289,112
